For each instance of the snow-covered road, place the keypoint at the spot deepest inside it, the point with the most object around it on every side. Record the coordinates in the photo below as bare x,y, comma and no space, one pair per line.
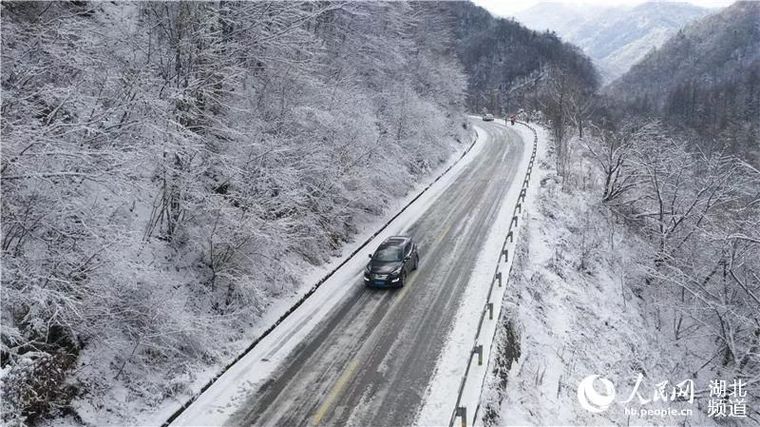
357,356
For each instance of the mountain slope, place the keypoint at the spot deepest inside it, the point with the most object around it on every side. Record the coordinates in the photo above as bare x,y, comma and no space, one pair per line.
505,61
171,171
615,38
562,18
707,77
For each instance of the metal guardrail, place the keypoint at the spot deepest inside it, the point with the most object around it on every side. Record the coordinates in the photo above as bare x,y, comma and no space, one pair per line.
460,411
311,290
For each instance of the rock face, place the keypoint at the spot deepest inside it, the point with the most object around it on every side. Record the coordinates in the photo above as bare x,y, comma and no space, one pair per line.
614,37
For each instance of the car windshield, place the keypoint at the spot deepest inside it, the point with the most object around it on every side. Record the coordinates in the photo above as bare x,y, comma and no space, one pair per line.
390,254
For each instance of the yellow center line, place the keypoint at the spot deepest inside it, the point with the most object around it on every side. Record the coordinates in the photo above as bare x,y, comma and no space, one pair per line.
340,385
336,390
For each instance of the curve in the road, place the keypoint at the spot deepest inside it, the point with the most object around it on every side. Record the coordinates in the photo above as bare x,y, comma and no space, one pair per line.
369,362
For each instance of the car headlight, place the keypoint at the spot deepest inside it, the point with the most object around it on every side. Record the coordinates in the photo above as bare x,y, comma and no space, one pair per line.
396,272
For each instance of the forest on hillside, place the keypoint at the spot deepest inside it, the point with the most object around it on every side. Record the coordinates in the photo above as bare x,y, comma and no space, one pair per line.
614,35
666,164
509,66
705,79
168,168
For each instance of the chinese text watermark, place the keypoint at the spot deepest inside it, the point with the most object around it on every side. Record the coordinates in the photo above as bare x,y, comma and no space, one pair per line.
727,399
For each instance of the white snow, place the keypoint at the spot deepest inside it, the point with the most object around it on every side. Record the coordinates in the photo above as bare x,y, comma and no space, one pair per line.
223,398
573,322
442,391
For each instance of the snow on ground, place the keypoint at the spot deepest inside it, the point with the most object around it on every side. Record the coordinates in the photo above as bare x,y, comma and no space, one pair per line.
575,315
442,391
215,405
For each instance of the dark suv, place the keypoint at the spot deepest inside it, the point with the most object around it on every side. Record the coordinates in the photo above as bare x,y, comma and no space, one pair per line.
391,262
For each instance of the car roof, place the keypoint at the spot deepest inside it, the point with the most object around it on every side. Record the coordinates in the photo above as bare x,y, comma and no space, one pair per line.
395,241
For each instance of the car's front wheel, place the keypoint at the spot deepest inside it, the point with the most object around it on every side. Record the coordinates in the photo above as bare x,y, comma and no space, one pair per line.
402,282
416,262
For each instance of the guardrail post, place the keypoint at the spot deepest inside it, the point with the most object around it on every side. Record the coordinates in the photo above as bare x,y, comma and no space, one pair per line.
462,413
479,349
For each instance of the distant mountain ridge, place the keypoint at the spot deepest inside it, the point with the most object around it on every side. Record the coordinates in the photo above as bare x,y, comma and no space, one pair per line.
505,61
614,37
706,77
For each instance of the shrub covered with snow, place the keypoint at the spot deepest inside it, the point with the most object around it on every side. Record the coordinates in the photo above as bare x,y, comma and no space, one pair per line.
641,260
167,169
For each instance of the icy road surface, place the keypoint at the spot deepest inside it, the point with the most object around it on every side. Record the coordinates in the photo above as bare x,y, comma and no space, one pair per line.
370,358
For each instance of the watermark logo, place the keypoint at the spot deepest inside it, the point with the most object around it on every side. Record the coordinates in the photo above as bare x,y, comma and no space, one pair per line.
590,399
727,399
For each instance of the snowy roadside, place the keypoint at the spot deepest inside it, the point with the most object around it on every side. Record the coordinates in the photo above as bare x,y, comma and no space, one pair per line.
221,399
441,394
568,318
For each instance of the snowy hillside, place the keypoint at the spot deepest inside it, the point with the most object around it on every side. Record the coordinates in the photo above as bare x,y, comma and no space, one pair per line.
614,37
560,17
704,77
505,61
591,293
378,214
169,170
